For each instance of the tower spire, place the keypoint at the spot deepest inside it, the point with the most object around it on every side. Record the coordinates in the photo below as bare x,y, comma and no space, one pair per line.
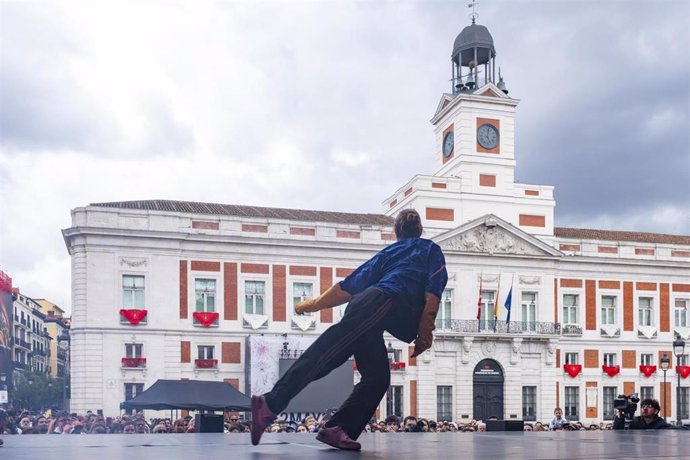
474,14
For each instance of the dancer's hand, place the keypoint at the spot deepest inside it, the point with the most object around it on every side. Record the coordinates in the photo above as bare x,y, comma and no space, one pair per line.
422,344
306,306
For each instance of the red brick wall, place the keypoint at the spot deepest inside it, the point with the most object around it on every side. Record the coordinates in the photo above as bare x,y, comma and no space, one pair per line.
255,228
628,313
301,270
532,192
440,214
571,283
438,185
230,353
254,268
205,266
185,352
664,308
590,305
347,234
205,225
279,286
629,359
230,290
302,231
325,282
183,289
487,180
527,220
413,397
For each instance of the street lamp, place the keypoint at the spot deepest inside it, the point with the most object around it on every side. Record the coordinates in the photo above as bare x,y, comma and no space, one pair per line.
665,363
63,342
678,350
389,393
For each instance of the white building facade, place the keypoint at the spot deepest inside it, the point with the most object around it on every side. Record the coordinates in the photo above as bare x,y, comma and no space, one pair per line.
172,290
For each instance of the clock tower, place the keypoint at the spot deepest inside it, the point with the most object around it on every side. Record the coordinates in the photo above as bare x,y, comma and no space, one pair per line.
474,126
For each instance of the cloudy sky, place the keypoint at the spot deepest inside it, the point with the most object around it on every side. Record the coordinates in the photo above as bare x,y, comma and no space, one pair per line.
325,105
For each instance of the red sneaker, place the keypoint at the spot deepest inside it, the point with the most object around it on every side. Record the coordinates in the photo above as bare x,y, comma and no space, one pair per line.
336,437
262,417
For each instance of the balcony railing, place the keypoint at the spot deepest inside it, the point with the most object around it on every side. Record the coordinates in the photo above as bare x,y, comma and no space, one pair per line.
133,362
497,327
206,363
22,343
571,329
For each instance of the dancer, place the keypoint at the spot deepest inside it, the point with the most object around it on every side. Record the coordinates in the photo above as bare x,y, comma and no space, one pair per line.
398,290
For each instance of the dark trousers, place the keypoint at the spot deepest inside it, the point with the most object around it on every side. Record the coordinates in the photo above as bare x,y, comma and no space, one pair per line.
359,333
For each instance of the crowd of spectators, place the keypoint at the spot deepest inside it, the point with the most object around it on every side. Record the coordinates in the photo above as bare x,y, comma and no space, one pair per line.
24,422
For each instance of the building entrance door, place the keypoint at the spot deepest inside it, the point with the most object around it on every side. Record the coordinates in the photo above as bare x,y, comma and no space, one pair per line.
487,394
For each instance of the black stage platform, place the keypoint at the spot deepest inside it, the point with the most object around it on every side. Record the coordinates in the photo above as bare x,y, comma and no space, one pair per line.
669,444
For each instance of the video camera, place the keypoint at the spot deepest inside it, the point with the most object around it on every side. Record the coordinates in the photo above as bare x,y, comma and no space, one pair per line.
626,404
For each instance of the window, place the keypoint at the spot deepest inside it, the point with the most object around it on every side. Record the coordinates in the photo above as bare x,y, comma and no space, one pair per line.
646,359
133,350
487,310
444,403
680,312
254,292
302,291
608,310
572,403
644,317
684,409
394,400
205,295
205,351
570,306
529,310
571,358
132,390
609,359
610,394
445,311
684,360
132,292
529,403
646,393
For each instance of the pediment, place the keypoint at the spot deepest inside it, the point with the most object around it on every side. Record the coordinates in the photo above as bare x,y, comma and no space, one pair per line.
491,90
446,99
492,235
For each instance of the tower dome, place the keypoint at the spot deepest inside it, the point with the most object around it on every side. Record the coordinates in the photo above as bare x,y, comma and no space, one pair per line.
471,37
473,47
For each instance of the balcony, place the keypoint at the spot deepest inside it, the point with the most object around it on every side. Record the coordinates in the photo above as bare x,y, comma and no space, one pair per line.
397,366
133,363
22,343
573,330
205,318
572,369
133,316
465,326
611,371
647,371
610,331
206,363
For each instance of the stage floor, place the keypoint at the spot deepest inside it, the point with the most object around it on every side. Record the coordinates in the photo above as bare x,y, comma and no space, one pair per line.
589,445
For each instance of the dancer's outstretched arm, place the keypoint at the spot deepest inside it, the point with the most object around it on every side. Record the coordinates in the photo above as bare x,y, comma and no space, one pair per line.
425,331
332,297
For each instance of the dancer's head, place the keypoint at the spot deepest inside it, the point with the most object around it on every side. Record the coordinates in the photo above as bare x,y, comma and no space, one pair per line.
408,224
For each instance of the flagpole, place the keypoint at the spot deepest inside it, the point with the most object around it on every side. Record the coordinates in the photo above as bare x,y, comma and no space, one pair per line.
496,302
509,301
479,303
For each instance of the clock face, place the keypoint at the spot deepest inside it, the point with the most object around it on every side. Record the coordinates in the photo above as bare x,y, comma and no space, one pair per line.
487,136
448,144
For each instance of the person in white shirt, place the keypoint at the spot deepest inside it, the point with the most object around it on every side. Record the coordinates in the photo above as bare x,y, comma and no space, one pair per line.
558,421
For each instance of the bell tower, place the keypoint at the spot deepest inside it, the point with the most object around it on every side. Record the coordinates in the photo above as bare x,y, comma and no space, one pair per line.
474,126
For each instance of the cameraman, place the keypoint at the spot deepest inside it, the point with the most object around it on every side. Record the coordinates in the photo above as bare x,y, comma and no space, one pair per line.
649,420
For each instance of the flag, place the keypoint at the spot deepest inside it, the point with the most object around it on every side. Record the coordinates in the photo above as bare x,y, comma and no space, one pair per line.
496,301
496,304
509,301
479,301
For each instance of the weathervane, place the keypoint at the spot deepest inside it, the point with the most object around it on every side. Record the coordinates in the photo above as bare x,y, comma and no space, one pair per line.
474,14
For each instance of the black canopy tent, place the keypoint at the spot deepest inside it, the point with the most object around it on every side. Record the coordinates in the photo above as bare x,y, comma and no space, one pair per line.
190,395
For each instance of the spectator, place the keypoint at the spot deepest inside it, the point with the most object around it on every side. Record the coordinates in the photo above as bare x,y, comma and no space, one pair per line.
558,420
481,426
393,423
410,423
41,425
649,420
129,429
